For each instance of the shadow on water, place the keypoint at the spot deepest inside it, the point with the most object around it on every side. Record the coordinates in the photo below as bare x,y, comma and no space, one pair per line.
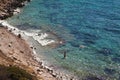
87,38
93,78
109,71
116,59
105,51
26,26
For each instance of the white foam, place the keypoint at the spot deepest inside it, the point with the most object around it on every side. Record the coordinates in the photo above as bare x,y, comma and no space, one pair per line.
16,11
40,37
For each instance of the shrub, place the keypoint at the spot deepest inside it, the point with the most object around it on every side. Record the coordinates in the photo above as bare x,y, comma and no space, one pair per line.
14,73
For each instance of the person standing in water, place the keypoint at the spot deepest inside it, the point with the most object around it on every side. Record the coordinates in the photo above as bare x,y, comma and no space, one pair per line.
64,54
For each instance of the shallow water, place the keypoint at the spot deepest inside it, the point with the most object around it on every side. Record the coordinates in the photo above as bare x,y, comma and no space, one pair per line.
90,28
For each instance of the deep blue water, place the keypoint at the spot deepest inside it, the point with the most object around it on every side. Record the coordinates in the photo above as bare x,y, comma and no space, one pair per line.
92,23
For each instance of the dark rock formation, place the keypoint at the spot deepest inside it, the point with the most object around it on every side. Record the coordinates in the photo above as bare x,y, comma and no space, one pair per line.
7,7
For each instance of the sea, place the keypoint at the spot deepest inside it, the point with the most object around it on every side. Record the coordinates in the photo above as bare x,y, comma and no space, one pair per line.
89,29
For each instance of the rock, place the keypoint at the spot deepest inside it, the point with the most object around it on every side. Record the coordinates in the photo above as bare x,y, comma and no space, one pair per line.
14,58
16,11
19,35
49,70
7,9
38,70
82,46
54,74
21,52
9,45
31,47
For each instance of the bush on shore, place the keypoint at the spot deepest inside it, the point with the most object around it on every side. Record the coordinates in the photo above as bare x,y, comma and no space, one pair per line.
14,73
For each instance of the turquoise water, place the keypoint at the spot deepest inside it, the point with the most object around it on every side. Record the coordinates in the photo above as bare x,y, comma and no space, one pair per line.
90,28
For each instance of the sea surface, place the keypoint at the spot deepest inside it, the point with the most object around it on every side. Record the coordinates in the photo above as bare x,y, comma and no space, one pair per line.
89,28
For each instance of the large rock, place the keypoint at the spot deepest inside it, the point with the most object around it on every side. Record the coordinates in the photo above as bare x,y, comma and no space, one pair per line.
7,7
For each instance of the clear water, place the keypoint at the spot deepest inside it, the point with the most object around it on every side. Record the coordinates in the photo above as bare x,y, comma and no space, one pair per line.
92,23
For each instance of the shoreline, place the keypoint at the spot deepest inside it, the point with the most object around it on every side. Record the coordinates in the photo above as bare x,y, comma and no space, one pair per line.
36,34
39,68
25,36
35,64
41,39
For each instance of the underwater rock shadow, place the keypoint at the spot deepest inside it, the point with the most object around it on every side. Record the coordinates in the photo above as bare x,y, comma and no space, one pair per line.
109,71
116,59
93,78
26,26
105,51
87,38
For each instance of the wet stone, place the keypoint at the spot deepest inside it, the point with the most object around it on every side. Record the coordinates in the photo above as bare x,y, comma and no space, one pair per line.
21,52
54,74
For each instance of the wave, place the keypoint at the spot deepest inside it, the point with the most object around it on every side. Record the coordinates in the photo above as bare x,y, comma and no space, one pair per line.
35,34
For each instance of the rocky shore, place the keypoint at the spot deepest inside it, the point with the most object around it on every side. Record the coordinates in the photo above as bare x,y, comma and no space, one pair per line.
7,7
16,51
26,56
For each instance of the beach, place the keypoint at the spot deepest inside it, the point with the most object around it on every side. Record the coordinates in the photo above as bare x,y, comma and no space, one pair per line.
32,59
21,48
20,54
15,50
70,39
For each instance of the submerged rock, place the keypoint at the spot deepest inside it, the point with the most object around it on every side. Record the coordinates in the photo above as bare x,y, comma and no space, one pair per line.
105,51
93,78
74,44
116,59
109,71
87,38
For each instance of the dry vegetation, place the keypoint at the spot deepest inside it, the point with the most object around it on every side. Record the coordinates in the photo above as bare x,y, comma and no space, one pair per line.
14,73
